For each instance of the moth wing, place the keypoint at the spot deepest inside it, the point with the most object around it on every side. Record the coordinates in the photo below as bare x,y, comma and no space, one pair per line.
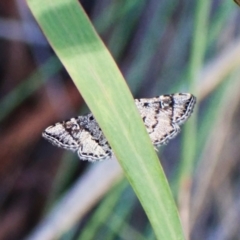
157,120
91,150
164,129
183,104
60,137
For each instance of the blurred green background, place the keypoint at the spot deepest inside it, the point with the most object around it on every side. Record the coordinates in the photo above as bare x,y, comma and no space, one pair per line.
161,47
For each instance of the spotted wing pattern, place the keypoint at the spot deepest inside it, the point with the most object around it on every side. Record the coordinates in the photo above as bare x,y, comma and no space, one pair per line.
81,134
161,115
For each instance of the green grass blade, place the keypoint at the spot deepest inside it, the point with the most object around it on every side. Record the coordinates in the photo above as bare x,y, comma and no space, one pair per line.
198,51
97,77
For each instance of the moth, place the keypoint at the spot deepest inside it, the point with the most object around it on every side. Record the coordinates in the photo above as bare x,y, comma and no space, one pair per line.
162,117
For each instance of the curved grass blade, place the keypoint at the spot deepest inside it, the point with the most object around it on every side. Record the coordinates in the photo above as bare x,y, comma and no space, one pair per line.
97,77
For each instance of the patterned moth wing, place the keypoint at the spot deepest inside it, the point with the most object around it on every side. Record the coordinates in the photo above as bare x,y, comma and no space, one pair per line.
81,134
161,115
